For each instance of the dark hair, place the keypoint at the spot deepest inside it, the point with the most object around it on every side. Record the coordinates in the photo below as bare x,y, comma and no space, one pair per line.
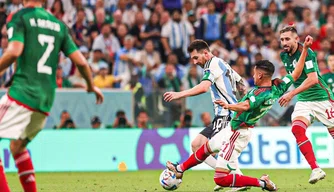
61,6
266,66
288,28
198,45
120,113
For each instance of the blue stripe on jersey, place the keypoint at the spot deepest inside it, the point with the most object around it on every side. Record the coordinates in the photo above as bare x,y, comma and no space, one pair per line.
229,111
227,82
217,97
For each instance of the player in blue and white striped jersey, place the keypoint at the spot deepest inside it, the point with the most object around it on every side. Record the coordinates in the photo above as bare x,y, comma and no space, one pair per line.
225,84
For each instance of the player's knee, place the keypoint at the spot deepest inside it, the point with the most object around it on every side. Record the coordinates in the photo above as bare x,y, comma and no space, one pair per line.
196,144
214,146
17,146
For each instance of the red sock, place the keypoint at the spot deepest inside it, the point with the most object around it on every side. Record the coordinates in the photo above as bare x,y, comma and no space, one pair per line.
305,146
3,181
196,158
331,132
235,180
26,171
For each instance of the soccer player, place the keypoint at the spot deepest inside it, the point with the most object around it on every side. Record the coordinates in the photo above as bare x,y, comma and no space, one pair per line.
224,83
254,105
315,100
329,77
35,40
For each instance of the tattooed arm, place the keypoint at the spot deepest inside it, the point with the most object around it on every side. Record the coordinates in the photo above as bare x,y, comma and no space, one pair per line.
241,88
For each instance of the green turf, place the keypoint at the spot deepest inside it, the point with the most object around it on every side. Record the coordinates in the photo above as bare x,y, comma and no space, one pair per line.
287,180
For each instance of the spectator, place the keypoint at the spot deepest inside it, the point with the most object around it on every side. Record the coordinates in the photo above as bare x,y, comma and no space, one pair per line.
206,119
121,120
96,123
139,6
60,80
103,80
14,6
152,31
138,28
143,121
172,59
57,9
79,28
176,36
150,59
272,17
117,21
185,120
121,33
95,29
126,61
71,16
6,77
210,24
138,92
95,60
304,27
170,82
65,121
106,42
192,79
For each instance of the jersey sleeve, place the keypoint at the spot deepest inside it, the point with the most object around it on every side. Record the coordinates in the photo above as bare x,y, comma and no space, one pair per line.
212,72
283,84
15,29
310,62
68,45
255,100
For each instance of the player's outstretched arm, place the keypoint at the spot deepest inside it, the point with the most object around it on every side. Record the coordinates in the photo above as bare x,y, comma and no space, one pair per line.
238,107
301,62
86,73
310,81
198,89
13,51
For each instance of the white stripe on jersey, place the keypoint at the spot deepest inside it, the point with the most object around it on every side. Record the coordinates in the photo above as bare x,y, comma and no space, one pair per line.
224,85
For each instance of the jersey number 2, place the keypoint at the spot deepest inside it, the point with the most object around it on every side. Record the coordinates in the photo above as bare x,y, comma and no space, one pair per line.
41,67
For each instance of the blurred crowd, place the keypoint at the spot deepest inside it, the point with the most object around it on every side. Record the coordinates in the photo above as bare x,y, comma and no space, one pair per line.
140,45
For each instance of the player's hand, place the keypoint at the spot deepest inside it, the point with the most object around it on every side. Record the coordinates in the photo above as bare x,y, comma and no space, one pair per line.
170,96
98,94
285,99
221,103
308,41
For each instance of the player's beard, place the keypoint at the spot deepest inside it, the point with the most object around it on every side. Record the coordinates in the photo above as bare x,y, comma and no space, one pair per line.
288,49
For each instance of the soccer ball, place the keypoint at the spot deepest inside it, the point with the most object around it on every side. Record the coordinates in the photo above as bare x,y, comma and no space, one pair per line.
168,180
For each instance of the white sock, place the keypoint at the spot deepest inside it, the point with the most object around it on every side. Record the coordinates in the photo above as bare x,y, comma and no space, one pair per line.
211,161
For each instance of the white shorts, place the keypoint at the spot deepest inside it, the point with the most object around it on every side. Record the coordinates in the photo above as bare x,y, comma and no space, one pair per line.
322,111
19,122
231,150
220,138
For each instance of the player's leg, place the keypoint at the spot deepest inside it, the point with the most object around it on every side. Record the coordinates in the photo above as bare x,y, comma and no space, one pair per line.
202,138
212,146
3,181
21,155
11,126
228,159
302,117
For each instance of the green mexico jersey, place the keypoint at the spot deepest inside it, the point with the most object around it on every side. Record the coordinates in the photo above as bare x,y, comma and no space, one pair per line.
329,79
261,100
43,36
318,92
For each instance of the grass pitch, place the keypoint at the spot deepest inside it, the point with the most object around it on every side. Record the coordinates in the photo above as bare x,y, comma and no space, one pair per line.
144,181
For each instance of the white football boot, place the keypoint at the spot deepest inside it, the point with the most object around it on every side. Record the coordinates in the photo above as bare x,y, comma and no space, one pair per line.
316,175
